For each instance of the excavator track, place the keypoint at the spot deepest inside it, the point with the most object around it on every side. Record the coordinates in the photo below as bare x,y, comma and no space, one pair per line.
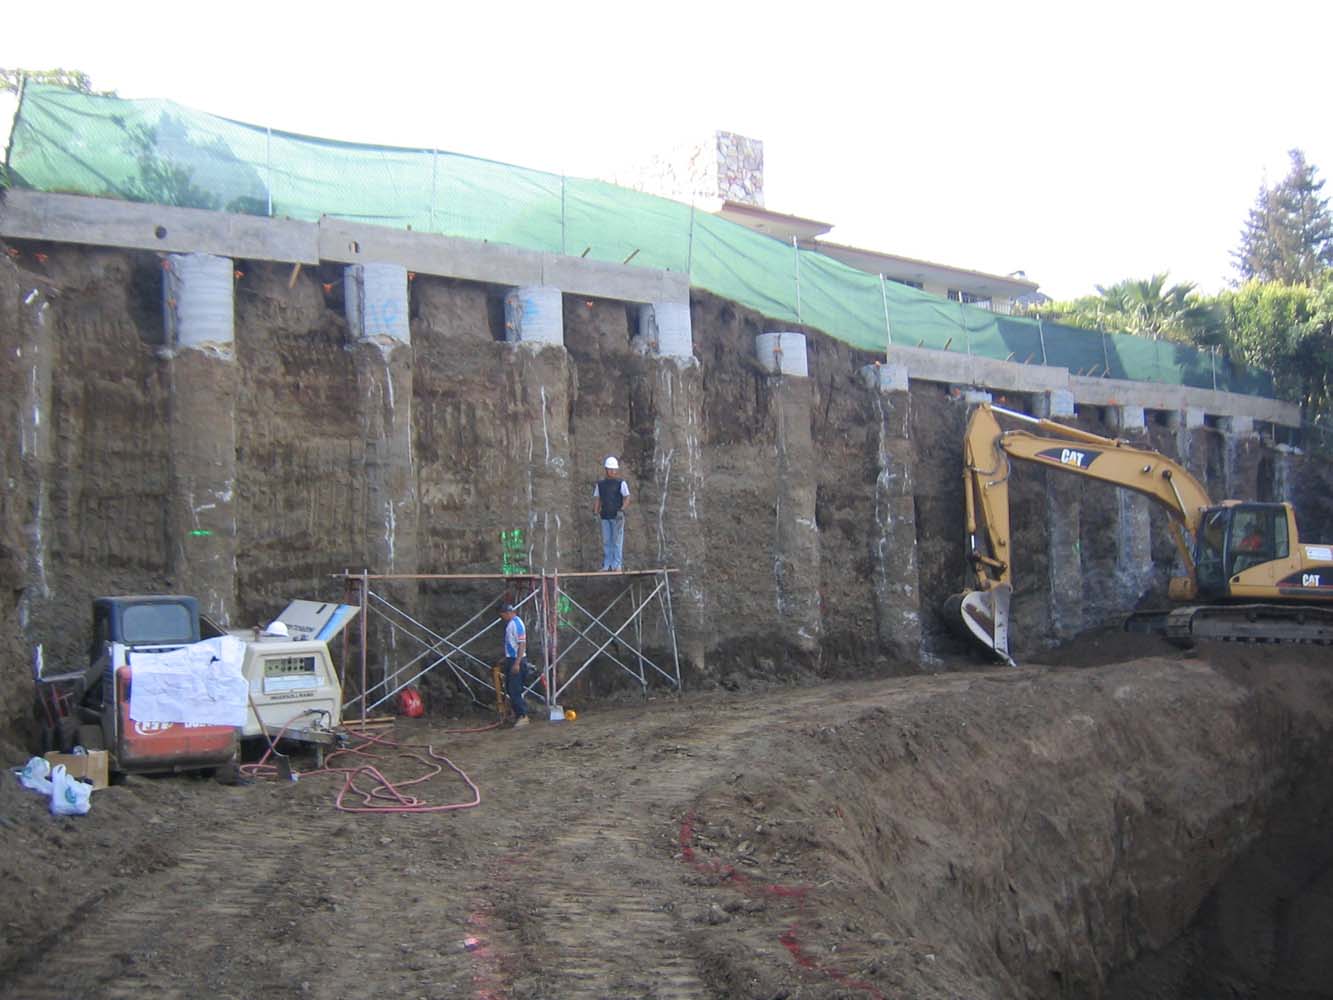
1258,623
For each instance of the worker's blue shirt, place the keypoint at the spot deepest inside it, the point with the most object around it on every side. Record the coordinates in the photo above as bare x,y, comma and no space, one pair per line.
514,634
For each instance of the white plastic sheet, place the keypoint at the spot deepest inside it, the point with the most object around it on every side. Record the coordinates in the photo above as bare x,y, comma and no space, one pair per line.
200,684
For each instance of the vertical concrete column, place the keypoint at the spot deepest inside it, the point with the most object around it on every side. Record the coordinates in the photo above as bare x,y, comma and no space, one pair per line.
376,300
672,506
198,296
537,466
782,353
1053,404
1064,550
1133,528
377,314
1242,455
1240,426
535,319
1284,474
1190,427
534,314
666,330
540,382
26,525
896,580
796,559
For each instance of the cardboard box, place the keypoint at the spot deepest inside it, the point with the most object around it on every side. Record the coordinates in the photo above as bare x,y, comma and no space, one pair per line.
93,766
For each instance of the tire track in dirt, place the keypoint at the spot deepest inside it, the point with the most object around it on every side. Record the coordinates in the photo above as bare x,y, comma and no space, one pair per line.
545,932
123,946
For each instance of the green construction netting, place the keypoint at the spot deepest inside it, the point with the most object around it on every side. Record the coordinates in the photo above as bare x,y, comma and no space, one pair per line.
159,152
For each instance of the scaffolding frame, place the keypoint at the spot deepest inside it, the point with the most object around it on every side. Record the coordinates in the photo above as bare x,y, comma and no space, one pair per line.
553,607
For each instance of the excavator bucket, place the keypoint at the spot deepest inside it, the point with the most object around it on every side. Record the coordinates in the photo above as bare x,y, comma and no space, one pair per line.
984,615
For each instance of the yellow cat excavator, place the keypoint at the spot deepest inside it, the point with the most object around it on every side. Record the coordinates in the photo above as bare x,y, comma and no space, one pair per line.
1249,576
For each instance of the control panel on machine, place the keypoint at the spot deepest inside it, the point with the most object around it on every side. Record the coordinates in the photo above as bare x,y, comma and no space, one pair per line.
289,673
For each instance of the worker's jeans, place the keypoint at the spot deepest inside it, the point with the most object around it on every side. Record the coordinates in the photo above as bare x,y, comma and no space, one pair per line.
613,542
514,688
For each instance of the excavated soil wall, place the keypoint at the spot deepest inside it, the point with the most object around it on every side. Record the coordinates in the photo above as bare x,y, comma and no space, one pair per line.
816,523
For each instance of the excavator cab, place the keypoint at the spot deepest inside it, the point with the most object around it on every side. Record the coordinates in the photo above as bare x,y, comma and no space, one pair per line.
1235,537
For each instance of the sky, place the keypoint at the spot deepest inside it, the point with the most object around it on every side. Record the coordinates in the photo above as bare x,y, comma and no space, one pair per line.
1082,144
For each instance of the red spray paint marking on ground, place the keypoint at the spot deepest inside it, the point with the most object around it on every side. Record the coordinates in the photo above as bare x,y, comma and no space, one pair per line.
790,938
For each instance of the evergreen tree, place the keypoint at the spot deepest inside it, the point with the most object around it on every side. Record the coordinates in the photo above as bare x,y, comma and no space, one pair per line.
1288,236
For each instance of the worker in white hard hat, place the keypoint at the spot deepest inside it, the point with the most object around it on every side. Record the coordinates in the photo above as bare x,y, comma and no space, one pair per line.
610,499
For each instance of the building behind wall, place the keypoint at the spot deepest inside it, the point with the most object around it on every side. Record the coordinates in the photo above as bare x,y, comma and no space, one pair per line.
723,173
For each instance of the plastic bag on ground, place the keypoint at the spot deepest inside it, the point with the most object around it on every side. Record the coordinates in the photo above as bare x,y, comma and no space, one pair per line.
36,775
69,796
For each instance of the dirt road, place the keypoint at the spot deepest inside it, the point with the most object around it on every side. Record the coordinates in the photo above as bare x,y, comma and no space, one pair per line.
800,843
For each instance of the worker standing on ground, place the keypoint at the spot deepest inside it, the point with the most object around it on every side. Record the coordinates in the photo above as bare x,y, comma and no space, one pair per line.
515,648
610,499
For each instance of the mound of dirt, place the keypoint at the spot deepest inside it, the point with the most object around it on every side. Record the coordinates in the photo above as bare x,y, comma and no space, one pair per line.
1107,644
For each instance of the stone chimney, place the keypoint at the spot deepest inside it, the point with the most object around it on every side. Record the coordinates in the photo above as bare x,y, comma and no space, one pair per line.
722,167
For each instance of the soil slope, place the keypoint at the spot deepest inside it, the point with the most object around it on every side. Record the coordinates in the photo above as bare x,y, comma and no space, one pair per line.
997,834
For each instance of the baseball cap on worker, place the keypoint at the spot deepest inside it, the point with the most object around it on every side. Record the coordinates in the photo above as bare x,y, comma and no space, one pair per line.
611,462
506,607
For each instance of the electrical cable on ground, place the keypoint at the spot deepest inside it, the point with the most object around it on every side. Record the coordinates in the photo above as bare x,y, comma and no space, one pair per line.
385,795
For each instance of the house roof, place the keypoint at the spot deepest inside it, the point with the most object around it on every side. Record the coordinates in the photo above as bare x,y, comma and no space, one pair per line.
927,272
779,225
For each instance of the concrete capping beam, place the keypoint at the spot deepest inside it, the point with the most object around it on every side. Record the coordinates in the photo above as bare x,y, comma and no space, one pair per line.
71,218
470,260
620,282
425,253
928,365
1156,396
949,368
66,218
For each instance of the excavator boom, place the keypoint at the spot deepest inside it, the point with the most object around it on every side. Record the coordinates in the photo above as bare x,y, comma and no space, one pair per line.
1227,574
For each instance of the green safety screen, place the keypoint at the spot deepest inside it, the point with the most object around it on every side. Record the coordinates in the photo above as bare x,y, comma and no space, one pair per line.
160,152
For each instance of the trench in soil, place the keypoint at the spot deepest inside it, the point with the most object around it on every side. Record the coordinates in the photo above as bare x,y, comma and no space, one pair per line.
931,851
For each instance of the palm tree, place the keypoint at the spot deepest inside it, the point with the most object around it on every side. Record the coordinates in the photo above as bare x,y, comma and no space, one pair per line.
1149,308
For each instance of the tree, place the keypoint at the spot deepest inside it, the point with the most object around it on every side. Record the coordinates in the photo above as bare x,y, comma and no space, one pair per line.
1286,329
1288,236
10,79
1147,307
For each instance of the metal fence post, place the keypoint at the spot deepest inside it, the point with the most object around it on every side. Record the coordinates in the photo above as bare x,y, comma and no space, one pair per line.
888,327
796,259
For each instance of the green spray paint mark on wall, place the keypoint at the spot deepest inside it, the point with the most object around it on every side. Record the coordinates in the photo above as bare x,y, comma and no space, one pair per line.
201,532
513,552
